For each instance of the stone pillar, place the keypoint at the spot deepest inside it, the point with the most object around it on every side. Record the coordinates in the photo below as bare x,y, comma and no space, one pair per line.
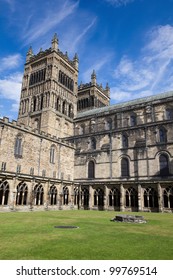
91,198
13,194
46,199
160,198
139,198
106,198
122,198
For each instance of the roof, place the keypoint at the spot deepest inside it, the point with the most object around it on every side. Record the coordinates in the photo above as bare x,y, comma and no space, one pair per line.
111,108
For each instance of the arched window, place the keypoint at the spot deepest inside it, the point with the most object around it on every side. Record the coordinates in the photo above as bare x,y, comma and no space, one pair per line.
91,170
162,135
114,197
22,193
38,194
150,198
93,143
164,165
53,195
131,197
133,119
18,146
124,141
65,195
4,192
124,167
52,154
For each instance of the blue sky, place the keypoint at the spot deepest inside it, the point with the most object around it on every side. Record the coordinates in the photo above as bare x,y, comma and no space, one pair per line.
129,43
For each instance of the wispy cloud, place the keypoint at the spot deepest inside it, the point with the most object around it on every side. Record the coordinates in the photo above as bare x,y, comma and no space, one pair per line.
77,40
49,20
10,62
118,3
148,73
11,4
98,65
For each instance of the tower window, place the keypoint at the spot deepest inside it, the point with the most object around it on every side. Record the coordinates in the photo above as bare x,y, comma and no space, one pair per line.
52,154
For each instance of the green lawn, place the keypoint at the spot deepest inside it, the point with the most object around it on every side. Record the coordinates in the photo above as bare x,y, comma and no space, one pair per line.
32,235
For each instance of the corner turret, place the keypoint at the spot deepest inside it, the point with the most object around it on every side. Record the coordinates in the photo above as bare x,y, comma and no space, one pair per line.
29,54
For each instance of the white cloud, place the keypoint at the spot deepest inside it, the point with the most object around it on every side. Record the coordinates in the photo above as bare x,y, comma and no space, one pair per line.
10,62
151,72
15,107
10,87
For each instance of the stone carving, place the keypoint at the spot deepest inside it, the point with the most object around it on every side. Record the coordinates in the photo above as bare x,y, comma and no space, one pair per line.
129,219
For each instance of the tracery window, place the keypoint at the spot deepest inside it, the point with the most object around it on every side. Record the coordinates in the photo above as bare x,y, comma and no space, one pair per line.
65,195
76,196
85,197
38,194
4,192
22,193
168,197
53,195
150,198
131,197
99,197
114,197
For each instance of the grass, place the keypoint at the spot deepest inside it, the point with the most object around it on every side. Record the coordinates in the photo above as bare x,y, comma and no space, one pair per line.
32,236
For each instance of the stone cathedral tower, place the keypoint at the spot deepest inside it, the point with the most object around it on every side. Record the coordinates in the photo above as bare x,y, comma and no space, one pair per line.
48,100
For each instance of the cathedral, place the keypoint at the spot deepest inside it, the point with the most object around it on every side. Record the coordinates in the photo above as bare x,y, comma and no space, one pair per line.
70,149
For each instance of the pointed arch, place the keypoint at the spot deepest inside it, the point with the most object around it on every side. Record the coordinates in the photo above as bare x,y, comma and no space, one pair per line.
4,192
22,194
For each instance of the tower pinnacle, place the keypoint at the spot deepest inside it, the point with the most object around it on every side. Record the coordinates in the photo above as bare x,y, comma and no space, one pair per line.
55,42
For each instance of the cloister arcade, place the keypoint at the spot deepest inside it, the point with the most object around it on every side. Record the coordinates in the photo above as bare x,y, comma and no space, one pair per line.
119,197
